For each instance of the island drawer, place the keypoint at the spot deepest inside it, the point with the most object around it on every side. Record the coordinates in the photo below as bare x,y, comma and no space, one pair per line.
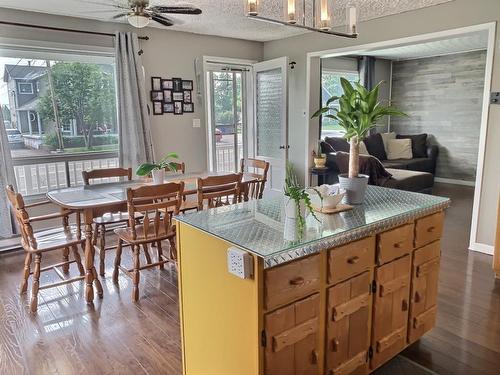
350,260
394,243
291,281
428,229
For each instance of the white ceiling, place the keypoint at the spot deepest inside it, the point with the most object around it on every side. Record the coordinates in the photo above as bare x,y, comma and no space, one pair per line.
222,17
464,43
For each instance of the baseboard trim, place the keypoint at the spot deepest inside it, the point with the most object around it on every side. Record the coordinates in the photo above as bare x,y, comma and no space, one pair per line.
454,181
482,248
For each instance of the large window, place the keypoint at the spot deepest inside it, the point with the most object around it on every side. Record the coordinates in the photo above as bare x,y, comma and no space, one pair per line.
330,86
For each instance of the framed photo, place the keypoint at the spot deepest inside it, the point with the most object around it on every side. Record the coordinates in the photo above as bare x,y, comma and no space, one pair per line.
178,108
187,96
156,83
168,107
187,84
178,96
167,96
177,84
188,107
167,84
157,108
157,96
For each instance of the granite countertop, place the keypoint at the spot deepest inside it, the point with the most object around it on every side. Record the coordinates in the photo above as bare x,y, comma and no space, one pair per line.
260,226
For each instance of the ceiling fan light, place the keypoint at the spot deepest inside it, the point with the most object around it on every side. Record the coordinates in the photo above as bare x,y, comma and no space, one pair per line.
138,20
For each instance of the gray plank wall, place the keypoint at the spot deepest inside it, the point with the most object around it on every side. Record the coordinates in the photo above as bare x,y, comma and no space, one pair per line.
443,97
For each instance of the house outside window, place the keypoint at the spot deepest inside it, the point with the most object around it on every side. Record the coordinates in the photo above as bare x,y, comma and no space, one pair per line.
25,88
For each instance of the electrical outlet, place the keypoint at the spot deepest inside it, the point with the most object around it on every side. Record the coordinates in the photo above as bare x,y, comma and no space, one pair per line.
239,263
196,123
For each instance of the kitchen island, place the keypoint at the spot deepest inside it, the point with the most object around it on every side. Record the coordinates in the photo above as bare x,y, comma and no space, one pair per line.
343,297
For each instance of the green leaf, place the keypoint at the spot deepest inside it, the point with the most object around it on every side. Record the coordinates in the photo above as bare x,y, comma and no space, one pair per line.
320,111
332,99
146,169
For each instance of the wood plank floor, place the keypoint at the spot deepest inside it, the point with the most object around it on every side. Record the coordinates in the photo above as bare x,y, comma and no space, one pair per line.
116,336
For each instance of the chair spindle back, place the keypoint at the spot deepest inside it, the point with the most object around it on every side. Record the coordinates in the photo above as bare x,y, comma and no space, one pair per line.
258,169
219,190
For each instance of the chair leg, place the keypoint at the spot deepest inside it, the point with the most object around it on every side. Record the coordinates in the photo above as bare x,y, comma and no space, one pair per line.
136,274
102,250
118,260
146,252
36,283
65,267
26,273
95,234
173,250
160,253
78,260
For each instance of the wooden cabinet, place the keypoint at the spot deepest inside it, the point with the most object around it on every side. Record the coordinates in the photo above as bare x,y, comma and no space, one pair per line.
348,326
424,286
291,336
350,260
394,243
429,229
390,310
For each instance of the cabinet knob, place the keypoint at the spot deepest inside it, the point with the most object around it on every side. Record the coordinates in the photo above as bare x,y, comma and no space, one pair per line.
314,357
335,345
404,305
297,281
418,297
431,229
353,260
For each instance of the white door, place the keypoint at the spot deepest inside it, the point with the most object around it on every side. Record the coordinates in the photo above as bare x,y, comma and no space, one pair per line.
271,118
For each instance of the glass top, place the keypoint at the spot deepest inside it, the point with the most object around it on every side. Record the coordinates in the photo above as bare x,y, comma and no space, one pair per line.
260,226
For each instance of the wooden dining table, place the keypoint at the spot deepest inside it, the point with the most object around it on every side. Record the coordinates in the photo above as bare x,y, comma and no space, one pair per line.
95,200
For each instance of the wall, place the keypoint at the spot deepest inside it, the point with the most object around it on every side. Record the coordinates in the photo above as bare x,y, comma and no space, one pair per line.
443,97
383,74
455,14
166,54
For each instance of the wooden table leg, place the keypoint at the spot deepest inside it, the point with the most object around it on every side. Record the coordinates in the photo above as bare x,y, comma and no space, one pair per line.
90,272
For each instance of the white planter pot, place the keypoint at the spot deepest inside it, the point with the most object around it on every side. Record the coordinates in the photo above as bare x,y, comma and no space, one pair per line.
158,176
291,208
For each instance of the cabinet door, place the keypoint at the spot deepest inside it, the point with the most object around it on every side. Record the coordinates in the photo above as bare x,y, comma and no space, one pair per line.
390,310
349,313
292,338
424,285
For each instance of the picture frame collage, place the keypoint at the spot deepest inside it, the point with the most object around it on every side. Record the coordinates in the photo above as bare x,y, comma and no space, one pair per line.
174,95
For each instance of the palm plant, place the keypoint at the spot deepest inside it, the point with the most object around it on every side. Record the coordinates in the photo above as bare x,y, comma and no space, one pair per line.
357,113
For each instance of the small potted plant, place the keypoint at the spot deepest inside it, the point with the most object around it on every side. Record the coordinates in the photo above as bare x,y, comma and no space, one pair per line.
319,157
357,112
157,170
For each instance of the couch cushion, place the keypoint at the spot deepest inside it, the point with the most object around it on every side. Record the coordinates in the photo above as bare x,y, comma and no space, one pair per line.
409,180
418,144
338,144
399,149
375,146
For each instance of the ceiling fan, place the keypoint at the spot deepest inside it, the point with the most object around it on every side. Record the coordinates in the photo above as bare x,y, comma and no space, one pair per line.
139,14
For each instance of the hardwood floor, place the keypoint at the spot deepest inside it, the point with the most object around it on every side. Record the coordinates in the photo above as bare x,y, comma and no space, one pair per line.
118,336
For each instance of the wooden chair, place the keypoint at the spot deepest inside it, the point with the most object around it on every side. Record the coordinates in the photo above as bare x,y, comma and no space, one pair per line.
187,204
258,169
181,167
154,203
114,217
62,239
219,191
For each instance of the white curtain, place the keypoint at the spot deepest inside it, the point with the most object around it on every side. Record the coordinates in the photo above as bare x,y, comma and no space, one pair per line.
133,118
6,177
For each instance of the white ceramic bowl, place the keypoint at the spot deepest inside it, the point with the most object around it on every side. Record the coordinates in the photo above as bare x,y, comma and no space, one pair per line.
329,200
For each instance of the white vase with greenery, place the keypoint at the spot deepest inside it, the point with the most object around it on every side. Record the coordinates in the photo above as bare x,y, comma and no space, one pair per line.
157,170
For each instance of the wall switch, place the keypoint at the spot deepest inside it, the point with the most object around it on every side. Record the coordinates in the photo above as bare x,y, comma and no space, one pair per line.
495,98
196,123
240,263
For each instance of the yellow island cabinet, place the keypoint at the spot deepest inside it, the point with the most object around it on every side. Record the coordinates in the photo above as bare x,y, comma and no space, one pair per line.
345,296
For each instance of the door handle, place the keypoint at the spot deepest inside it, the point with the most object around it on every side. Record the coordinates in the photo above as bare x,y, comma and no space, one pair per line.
283,147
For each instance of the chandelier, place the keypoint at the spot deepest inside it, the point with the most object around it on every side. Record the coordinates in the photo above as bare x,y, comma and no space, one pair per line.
298,13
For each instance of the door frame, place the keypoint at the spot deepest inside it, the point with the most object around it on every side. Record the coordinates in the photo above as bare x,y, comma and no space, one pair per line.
313,85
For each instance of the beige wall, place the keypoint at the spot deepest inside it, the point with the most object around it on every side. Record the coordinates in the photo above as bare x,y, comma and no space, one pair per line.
166,54
458,13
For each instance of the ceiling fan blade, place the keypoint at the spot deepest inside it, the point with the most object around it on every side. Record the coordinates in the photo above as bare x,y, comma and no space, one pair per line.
120,15
176,9
161,19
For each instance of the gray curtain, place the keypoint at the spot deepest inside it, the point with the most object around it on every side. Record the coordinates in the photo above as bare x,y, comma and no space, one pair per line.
366,68
133,118
7,177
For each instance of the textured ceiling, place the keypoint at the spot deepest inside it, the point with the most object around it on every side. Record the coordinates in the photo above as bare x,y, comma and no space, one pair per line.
223,17
465,43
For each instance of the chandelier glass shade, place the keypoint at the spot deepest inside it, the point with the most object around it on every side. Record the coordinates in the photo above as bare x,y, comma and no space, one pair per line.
138,20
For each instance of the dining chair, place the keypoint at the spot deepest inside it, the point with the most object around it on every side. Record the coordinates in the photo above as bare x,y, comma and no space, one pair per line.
258,169
35,244
216,191
187,204
157,204
179,167
114,217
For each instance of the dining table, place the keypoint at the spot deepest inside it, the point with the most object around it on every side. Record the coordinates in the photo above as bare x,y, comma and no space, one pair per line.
95,200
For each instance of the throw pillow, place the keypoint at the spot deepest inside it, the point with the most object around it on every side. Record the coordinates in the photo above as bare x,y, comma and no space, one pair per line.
399,149
386,137
418,144
362,149
375,146
338,144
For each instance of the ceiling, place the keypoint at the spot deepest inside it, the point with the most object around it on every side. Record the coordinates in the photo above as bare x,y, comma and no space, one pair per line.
222,17
464,43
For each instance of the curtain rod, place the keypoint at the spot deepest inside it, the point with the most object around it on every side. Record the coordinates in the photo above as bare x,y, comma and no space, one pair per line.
62,29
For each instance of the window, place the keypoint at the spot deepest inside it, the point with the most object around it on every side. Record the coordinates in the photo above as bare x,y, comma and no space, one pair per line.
330,86
25,88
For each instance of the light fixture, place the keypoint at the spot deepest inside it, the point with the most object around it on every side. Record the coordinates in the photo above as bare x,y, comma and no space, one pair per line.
297,13
138,20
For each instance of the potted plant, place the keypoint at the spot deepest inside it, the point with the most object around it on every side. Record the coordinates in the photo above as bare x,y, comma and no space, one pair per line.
157,170
357,112
319,157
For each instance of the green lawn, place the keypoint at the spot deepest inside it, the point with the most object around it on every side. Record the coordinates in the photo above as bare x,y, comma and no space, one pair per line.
75,150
